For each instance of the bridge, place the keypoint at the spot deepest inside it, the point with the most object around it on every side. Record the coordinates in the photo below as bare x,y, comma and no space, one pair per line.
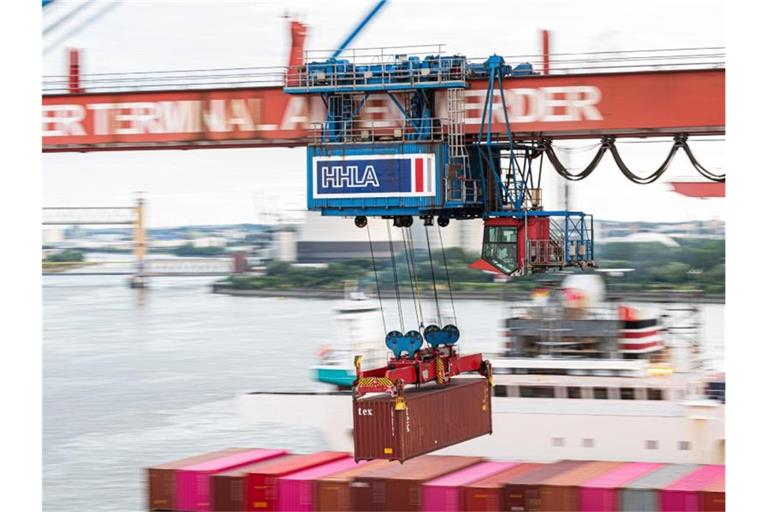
140,268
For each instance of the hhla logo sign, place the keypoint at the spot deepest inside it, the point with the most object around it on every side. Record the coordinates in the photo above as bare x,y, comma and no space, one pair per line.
350,176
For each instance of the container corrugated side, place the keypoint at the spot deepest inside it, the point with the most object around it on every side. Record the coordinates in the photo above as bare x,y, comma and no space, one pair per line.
446,493
296,492
523,491
712,497
398,486
561,492
435,417
161,481
192,482
261,486
601,495
228,487
642,495
683,495
486,495
334,492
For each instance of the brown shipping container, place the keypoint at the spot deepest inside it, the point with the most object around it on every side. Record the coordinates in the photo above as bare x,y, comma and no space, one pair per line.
522,492
486,495
434,417
397,487
332,493
712,497
161,484
561,493
228,487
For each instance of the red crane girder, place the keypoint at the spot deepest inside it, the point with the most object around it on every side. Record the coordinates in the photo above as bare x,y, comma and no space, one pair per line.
648,103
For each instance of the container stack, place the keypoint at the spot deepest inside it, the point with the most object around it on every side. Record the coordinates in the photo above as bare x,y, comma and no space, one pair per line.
241,479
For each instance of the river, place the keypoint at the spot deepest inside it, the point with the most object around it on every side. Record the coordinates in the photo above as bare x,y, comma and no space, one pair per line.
133,378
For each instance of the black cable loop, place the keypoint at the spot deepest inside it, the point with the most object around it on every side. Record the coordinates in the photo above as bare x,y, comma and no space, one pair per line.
606,144
376,276
609,143
700,168
655,175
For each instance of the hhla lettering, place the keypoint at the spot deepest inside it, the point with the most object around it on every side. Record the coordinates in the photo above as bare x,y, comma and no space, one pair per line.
350,176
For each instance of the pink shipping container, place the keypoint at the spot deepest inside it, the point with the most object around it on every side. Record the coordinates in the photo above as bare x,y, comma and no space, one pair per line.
445,493
683,495
193,490
600,494
296,491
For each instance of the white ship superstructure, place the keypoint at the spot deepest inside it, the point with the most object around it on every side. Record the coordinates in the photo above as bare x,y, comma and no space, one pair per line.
569,384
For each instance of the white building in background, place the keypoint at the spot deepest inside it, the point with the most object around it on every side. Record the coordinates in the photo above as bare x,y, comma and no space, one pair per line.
53,236
210,241
321,233
284,247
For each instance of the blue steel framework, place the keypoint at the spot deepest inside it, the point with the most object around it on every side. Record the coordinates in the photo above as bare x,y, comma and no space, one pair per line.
489,176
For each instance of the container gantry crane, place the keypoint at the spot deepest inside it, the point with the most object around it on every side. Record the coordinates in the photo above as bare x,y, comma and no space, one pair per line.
452,153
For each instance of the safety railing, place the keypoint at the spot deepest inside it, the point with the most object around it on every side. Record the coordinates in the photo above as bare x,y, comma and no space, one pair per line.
406,70
222,78
267,76
463,191
545,253
381,130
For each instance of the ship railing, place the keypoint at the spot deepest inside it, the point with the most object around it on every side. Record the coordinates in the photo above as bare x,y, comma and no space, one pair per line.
428,129
558,312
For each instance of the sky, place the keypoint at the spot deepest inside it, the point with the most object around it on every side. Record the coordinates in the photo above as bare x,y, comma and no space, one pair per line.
244,185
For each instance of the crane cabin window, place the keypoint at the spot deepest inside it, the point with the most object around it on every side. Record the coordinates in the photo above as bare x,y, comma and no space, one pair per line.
500,247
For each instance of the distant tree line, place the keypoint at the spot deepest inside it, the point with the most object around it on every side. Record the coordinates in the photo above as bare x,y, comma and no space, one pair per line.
696,264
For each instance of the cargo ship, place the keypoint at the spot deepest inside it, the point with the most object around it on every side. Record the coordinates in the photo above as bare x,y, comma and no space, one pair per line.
575,378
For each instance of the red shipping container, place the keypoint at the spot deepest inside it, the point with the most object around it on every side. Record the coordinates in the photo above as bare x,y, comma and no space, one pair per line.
296,492
522,492
397,487
712,497
435,416
683,495
261,485
600,494
486,495
334,492
193,490
561,493
445,494
161,481
228,488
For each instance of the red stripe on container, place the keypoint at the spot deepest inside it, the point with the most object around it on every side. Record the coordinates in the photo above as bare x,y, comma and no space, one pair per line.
419,175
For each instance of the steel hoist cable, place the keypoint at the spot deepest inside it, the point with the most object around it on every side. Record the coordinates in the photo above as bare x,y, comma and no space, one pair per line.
394,276
447,277
434,281
408,243
376,277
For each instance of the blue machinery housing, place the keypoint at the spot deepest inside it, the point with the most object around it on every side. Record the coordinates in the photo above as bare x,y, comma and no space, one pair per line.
422,166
